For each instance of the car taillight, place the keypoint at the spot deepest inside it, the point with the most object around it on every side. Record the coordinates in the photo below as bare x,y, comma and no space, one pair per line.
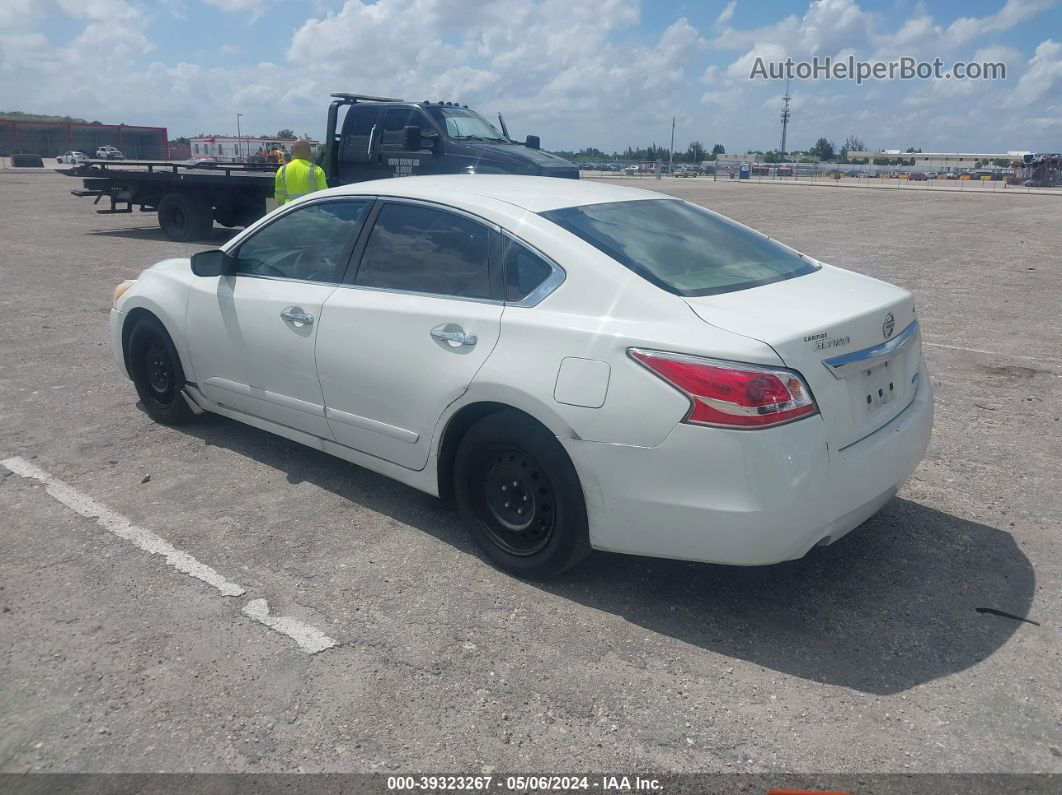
732,394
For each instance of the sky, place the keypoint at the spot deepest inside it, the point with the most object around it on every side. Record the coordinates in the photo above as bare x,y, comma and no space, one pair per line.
603,73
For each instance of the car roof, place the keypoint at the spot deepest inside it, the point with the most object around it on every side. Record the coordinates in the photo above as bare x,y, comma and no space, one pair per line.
536,194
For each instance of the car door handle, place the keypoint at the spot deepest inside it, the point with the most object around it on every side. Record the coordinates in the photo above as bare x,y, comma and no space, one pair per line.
454,334
297,316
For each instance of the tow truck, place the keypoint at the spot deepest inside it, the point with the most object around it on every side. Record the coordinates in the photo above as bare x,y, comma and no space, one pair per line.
376,137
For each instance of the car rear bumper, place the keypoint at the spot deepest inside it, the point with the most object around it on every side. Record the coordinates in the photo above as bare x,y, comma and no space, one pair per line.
745,497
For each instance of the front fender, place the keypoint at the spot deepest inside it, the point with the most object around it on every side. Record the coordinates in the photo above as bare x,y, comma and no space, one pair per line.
163,291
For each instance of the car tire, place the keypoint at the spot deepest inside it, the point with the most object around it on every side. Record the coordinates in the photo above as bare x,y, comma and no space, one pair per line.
520,496
157,373
185,218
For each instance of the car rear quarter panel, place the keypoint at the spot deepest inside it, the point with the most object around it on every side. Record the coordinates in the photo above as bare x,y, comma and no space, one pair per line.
598,312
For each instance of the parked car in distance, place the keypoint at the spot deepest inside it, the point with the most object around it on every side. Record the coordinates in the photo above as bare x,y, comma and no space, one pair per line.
109,153
579,365
72,157
685,171
917,176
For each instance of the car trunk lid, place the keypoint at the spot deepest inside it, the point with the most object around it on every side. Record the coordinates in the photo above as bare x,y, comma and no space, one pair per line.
853,338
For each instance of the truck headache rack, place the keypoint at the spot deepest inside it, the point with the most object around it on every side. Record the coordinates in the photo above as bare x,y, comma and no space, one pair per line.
364,98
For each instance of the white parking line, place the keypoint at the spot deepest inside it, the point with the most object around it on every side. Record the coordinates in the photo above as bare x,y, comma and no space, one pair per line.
992,353
113,522
308,638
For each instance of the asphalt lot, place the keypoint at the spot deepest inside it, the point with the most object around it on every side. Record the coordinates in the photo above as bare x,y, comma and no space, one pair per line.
869,655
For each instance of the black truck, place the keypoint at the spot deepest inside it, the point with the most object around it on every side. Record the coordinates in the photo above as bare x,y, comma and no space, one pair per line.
377,137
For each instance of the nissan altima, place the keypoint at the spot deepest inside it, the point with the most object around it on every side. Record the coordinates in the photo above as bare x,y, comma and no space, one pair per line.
577,365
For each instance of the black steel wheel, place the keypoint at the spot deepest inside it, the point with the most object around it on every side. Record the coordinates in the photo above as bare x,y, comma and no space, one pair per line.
520,496
515,500
157,374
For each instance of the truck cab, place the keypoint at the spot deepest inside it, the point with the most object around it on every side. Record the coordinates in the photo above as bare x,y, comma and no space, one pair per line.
380,137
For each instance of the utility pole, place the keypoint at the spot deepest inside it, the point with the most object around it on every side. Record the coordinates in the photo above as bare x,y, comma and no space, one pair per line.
671,154
785,116
239,137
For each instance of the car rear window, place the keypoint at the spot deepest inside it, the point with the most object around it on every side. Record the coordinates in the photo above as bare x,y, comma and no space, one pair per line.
680,247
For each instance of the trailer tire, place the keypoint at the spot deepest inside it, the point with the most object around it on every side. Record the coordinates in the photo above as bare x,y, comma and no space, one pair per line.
185,218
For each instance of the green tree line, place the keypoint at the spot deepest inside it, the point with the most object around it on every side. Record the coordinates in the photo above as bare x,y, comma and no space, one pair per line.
695,152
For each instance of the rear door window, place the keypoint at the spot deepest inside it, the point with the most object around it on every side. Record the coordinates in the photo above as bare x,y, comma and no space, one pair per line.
359,131
426,250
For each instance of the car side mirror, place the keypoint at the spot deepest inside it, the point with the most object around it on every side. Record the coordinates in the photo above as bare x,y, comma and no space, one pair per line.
533,142
213,263
412,138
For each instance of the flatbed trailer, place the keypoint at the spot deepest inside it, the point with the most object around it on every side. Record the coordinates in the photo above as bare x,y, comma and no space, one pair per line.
188,198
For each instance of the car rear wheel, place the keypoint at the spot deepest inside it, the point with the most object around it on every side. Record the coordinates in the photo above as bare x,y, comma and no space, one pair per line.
157,373
184,218
520,496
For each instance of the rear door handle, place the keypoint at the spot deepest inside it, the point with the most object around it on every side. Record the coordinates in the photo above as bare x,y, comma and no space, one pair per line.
454,334
297,316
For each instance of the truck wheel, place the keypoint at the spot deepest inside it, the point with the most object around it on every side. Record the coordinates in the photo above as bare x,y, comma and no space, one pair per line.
184,218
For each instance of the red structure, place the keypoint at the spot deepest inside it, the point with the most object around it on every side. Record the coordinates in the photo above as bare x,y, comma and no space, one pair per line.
51,139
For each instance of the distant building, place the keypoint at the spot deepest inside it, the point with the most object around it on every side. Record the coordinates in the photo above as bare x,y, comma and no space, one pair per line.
231,147
735,161
52,138
938,161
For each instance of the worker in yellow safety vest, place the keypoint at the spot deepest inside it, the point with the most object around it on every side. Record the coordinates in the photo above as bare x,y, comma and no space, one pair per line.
300,176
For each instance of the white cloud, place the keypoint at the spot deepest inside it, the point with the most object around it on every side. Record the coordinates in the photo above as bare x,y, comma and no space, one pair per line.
1044,73
236,5
1012,13
18,14
725,15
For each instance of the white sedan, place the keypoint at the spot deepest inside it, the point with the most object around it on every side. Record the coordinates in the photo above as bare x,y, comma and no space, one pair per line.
581,366
73,158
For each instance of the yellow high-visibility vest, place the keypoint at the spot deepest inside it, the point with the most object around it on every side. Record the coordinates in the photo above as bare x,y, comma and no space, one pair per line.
298,178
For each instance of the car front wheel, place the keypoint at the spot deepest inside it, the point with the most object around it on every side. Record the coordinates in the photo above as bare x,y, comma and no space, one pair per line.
157,373
519,494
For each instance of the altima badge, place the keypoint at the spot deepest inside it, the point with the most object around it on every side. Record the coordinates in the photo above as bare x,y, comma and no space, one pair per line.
888,325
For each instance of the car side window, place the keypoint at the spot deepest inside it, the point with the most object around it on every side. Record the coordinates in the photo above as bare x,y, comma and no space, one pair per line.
394,126
305,244
425,250
524,270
